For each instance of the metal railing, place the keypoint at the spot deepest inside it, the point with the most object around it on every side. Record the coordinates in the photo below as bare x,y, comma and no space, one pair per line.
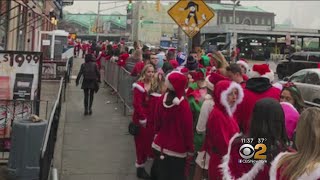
120,81
49,141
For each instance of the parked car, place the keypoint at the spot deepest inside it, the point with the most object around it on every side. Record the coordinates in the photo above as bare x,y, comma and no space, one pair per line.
296,62
308,82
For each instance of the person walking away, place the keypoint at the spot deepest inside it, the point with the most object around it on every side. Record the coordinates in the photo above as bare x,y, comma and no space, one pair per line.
173,143
267,129
267,55
91,77
257,87
305,162
222,125
139,118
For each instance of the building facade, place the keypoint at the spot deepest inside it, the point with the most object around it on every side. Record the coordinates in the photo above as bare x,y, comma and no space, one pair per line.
22,20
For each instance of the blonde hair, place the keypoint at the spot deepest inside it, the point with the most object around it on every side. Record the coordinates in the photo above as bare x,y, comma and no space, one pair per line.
308,145
143,72
157,83
137,54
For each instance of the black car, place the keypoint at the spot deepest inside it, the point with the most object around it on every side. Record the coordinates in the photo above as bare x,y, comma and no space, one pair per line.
296,62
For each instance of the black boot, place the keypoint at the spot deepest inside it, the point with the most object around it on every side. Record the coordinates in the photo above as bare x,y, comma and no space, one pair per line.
90,112
141,173
86,112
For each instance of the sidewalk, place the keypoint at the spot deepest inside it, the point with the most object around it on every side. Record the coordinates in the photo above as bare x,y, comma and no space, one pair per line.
96,147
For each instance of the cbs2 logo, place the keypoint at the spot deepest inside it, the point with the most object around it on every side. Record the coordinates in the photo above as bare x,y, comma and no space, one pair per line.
247,151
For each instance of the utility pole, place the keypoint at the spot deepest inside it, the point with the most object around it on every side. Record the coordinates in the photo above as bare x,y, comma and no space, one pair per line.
97,23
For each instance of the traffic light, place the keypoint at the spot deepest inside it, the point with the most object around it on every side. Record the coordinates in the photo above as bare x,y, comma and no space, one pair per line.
129,5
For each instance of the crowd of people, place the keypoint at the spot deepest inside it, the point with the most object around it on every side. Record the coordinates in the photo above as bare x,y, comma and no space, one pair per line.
193,112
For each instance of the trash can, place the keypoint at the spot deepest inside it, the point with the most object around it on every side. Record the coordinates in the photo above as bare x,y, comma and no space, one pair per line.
26,142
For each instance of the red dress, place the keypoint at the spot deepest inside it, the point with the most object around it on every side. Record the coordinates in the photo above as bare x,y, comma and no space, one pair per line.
221,126
140,105
153,102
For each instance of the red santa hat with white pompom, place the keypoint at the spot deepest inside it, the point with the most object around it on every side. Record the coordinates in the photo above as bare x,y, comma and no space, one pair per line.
262,70
177,82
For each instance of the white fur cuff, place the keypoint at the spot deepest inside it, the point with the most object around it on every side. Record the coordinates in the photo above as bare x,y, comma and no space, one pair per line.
143,121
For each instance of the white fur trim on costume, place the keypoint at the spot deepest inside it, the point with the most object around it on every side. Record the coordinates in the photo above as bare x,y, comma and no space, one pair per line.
278,85
144,121
274,164
139,87
139,165
224,97
269,75
244,64
168,152
254,74
156,94
175,101
224,166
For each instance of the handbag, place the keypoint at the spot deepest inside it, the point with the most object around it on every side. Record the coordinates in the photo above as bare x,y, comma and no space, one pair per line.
133,129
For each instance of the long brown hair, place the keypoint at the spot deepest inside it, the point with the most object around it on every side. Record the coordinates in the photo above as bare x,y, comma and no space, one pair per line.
308,144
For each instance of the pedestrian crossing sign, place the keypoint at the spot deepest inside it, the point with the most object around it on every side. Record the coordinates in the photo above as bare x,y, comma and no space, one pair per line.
191,15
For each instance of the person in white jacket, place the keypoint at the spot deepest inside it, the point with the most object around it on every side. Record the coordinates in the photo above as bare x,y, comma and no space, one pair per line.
202,160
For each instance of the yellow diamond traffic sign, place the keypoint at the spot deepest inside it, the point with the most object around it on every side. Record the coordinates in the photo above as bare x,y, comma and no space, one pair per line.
191,15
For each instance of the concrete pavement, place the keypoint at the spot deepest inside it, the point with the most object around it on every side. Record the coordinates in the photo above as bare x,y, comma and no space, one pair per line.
96,147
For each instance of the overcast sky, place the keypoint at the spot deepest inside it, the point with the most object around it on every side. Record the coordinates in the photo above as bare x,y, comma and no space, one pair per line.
303,14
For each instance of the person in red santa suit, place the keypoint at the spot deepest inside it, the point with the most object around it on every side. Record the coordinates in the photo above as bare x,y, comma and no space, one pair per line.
257,87
123,57
140,105
221,125
173,142
268,124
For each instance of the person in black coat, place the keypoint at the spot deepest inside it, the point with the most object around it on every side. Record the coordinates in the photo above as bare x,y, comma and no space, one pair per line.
91,77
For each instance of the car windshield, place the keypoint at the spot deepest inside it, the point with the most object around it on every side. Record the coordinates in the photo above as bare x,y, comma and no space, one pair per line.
298,76
314,57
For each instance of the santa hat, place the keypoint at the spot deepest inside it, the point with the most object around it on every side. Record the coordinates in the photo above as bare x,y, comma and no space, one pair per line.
176,82
214,78
184,70
209,84
244,63
262,70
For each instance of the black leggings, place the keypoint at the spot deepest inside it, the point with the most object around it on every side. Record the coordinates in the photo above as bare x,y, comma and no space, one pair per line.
88,99
169,168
